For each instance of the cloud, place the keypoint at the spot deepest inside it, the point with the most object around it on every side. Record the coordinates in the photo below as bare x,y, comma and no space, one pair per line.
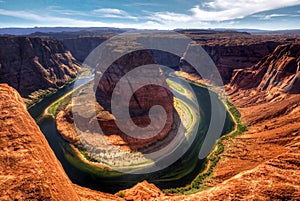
208,14
21,14
113,13
52,21
49,20
268,17
170,17
222,10
59,10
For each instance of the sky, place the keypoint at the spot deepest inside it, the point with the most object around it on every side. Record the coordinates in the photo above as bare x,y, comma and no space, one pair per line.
152,14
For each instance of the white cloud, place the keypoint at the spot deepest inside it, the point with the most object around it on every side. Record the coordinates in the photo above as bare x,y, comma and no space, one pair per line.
222,10
113,13
268,17
59,10
49,20
170,17
212,13
43,20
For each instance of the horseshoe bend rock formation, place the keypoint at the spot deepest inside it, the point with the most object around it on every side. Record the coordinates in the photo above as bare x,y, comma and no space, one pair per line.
141,100
29,169
29,63
263,163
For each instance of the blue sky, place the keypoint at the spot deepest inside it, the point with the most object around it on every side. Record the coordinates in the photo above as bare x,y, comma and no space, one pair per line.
259,14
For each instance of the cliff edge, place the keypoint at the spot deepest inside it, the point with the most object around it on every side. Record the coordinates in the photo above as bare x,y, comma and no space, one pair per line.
29,169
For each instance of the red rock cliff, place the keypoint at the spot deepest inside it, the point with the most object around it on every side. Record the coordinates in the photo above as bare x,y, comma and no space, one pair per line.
28,167
278,72
29,170
29,64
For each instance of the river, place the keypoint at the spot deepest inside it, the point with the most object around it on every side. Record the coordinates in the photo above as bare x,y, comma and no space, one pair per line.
181,173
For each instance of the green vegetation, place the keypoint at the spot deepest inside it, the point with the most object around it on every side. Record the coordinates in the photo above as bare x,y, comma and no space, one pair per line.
186,113
85,71
37,96
86,154
176,86
206,170
121,194
60,104
71,156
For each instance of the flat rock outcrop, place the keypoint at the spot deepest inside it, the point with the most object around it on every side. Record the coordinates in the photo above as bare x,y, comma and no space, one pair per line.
29,64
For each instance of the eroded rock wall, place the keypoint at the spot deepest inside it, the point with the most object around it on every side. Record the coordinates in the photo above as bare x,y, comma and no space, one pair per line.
29,64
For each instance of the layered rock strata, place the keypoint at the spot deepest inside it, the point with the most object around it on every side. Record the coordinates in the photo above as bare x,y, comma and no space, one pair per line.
30,64
278,72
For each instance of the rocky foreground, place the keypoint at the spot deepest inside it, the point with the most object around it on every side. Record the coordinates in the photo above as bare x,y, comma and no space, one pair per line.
29,169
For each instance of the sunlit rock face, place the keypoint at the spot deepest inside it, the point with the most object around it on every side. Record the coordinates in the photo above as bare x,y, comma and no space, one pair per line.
29,167
279,72
29,63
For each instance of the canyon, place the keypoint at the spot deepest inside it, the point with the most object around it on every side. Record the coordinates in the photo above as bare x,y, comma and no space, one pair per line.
262,79
228,49
31,65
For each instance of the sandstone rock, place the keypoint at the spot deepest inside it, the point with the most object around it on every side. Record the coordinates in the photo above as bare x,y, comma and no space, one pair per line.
65,126
261,164
279,72
277,179
141,101
229,50
29,169
141,191
228,57
29,64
